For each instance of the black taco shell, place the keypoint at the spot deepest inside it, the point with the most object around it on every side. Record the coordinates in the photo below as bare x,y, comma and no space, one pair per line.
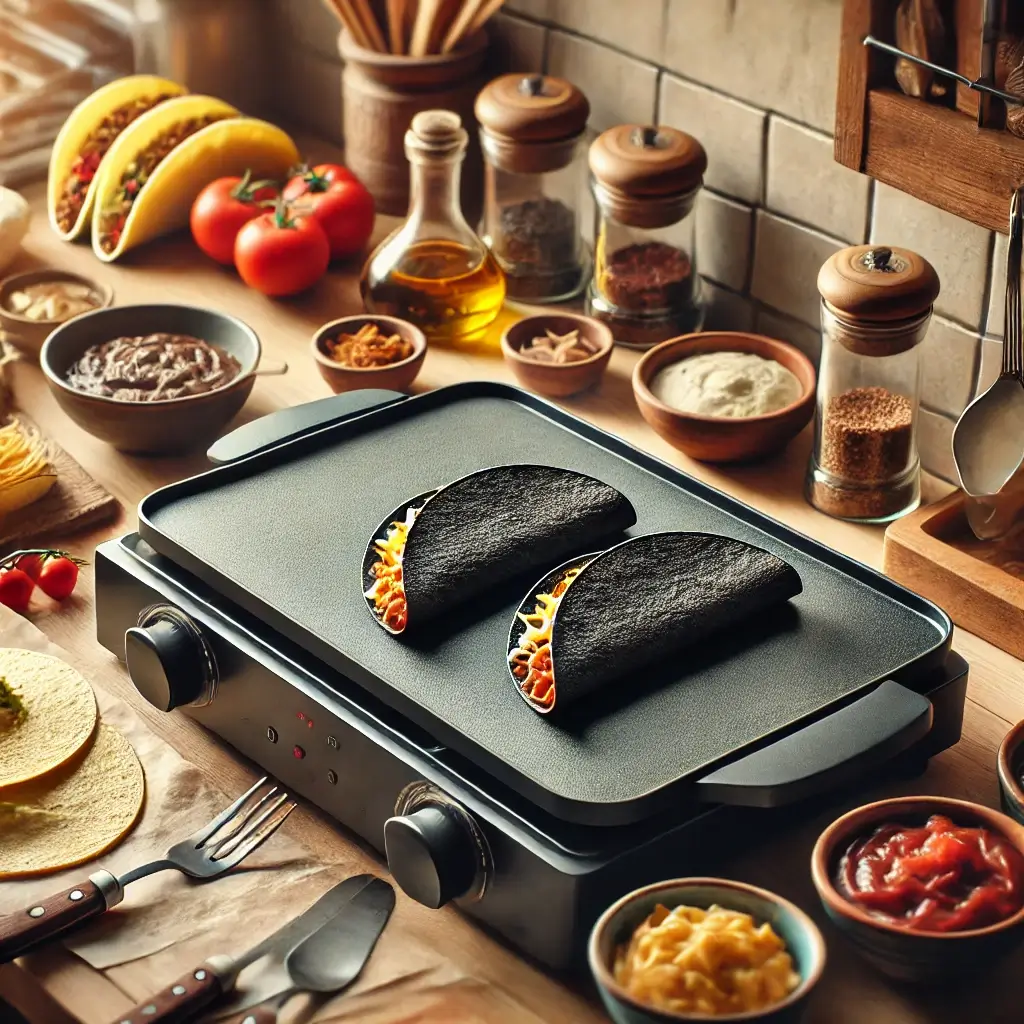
648,598
493,525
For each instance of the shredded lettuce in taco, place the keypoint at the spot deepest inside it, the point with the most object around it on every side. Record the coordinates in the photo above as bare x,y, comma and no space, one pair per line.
12,709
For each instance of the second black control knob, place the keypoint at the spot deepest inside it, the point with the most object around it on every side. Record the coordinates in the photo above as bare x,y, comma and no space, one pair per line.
167,660
431,855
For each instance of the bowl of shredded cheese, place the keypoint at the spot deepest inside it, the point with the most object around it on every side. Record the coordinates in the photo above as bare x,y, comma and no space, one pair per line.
369,352
701,949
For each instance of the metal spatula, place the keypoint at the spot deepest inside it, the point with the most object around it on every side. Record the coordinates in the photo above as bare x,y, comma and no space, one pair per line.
988,440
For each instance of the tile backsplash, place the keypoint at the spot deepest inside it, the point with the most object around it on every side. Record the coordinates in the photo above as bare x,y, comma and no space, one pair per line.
755,81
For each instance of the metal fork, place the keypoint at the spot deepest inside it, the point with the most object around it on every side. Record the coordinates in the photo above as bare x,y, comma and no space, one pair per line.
208,853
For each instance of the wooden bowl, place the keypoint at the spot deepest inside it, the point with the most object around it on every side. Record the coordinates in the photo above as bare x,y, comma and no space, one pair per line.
902,954
151,428
1010,765
394,377
28,335
790,923
718,438
557,380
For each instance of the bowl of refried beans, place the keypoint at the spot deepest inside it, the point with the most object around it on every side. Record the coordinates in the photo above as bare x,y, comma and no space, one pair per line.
154,379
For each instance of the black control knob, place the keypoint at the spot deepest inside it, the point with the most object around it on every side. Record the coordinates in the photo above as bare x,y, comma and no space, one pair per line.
167,659
431,855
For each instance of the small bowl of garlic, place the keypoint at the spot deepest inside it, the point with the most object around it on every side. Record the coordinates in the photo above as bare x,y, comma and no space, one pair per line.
557,354
35,303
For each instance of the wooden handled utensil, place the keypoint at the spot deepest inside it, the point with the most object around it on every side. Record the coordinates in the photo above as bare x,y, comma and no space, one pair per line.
397,25
346,14
460,26
423,28
210,852
486,11
370,26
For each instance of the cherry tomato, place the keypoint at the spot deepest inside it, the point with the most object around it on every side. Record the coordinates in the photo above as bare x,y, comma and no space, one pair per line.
31,565
58,577
16,589
222,209
339,201
281,254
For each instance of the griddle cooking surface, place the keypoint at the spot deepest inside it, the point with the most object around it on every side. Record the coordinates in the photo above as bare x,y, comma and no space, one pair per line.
283,534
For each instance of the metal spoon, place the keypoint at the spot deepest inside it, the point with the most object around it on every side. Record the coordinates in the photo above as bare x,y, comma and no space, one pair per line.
988,440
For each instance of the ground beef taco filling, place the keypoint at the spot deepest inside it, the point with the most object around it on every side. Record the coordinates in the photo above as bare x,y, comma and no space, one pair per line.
114,216
94,149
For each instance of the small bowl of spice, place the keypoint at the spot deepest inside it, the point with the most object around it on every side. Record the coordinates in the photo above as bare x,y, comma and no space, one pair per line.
369,352
1010,765
35,303
557,354
725,396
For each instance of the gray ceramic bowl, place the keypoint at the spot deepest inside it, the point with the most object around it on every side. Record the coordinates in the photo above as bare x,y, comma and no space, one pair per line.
618,922
151,428
1011,770
946,957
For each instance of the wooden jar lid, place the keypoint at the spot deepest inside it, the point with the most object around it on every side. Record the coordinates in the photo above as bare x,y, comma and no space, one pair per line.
532,108
879,284
640,161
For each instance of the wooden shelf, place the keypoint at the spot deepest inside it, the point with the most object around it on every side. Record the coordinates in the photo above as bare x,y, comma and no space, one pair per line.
933,152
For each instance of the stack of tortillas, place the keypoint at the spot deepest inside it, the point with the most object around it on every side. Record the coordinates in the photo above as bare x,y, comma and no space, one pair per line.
69,788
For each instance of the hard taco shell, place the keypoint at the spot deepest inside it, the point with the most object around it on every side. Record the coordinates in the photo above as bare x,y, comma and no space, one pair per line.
81,122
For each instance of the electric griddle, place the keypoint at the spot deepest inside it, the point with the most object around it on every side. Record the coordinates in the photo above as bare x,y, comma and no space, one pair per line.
240,601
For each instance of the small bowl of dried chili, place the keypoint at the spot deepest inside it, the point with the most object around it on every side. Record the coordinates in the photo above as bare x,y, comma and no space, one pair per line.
369,352
927,888
557,354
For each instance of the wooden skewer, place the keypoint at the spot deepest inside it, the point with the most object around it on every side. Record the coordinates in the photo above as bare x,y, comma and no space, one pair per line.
426,17
396,25
370,25
484,15
347,16
460,26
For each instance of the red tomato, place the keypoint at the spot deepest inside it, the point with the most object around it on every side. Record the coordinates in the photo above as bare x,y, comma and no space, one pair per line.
222,209
31,565
339,201
16,589
58,578
280,254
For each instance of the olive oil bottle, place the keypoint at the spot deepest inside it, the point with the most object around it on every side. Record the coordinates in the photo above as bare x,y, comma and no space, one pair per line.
434,271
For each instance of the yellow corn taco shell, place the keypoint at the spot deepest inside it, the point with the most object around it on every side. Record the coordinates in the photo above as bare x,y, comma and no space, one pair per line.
230,146
82,123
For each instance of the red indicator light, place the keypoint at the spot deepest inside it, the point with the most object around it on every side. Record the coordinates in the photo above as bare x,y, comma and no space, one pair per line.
298,753
300,716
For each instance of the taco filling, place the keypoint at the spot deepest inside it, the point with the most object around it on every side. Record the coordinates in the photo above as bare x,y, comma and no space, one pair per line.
388,591
530,661
115,215
94,149
12,709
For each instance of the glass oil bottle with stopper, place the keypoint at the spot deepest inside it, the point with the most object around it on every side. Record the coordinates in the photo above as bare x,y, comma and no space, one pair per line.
876,304
434,271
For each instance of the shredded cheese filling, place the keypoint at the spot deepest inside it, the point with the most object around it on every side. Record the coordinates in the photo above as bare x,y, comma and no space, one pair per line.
388,590
530,661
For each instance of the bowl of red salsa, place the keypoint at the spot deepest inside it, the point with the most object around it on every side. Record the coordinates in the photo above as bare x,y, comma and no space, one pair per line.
925,887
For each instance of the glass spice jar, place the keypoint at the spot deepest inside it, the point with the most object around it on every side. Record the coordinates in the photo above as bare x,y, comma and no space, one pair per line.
645,285
876,305
532,131
434,270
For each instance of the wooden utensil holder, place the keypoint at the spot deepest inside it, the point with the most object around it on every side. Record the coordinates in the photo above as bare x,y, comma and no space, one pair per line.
382,92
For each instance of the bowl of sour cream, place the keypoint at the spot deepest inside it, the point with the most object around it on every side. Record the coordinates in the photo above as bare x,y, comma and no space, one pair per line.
725,396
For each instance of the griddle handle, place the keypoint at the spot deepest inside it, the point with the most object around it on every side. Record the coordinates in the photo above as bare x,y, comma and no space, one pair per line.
287,424
826,754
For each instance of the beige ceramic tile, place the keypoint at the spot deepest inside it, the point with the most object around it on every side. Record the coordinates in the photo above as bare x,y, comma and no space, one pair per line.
620,89
302,74
935,444
723,236
805,182
991,364
777,325
308,22
782,55
638,27
732,133
957,249
949,357
787,258
726,311
996,321
517,45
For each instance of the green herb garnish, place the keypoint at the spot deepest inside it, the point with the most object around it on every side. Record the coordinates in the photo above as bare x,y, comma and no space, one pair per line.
12,710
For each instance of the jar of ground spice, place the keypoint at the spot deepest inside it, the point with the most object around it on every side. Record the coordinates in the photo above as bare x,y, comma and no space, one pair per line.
876,304
532,131
645,284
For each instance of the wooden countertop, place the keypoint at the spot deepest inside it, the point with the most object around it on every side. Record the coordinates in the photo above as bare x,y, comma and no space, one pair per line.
55,987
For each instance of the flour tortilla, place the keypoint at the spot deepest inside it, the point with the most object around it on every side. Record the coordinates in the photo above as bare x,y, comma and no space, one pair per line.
75,813
60,715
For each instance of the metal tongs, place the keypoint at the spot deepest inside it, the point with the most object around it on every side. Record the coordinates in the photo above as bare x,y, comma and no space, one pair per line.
988,440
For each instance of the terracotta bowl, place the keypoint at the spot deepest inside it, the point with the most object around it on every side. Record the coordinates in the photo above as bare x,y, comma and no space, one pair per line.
396,377
715,438
151,428
1010,766
913,956
618,922
28,335
557,380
